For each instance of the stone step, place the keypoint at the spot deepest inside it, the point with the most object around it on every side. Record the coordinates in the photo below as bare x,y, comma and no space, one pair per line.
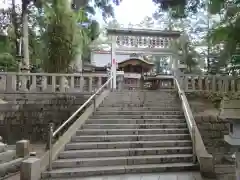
122,160
134,126
138,113
123,152
137,116
132,99
140,103
134,121
164,105
130,131
112,170
104,138
153,108
127,144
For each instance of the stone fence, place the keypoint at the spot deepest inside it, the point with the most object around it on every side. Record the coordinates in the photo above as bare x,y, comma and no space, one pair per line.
190,82
50,82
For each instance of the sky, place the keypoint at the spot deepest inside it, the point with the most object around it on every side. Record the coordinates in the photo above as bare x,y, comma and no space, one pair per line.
134,11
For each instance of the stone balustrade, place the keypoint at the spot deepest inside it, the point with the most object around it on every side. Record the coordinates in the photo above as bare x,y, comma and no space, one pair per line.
214,83
50,82
12,82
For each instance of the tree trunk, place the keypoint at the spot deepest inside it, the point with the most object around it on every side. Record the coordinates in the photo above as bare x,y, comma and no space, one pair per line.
25,39
25,63
15,26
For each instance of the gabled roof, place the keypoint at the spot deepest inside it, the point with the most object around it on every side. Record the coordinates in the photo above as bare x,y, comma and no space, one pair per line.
140,59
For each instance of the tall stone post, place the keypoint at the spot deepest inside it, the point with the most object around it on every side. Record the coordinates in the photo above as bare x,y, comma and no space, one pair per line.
113,62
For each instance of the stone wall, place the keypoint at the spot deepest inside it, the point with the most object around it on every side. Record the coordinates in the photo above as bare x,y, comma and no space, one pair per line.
27,116
212,129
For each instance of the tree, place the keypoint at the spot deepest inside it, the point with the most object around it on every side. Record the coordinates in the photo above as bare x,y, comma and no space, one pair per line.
188,55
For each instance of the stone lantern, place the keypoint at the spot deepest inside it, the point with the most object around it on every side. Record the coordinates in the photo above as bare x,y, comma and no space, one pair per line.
230,110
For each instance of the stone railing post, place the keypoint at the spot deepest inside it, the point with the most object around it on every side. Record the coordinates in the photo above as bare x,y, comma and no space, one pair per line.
72,85
99,82
82,82
33,87
226,83
11,82
213,83
53,83
200,83
90,84
232,81
44,83
62,84
185,83
24,80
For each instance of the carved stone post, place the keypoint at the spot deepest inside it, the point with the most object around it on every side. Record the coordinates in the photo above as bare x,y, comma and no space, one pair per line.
99,82
44,83
90,84
11,81
53,83
33,87
82,82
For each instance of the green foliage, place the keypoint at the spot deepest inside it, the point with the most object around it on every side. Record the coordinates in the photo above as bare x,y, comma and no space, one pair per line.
7,62
62,38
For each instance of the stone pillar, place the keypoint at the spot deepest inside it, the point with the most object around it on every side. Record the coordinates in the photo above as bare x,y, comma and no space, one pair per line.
22,148
113,62
30,169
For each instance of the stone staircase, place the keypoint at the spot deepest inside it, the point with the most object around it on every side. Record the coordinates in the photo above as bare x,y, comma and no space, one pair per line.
131,132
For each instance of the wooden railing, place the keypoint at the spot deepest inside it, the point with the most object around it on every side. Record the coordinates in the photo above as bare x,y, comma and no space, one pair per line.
213,83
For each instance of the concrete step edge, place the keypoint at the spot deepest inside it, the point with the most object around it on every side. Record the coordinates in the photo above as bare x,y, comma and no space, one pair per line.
102,168
124,149
159,129
124,157
134,135
131,142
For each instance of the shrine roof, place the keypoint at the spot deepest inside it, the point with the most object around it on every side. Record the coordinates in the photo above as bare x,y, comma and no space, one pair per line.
143,32
138,59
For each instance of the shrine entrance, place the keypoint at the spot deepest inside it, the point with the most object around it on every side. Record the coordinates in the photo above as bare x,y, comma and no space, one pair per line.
139,44
134,68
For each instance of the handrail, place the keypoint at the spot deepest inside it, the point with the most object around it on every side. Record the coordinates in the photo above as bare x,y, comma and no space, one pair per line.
52,133
79,109
189,117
